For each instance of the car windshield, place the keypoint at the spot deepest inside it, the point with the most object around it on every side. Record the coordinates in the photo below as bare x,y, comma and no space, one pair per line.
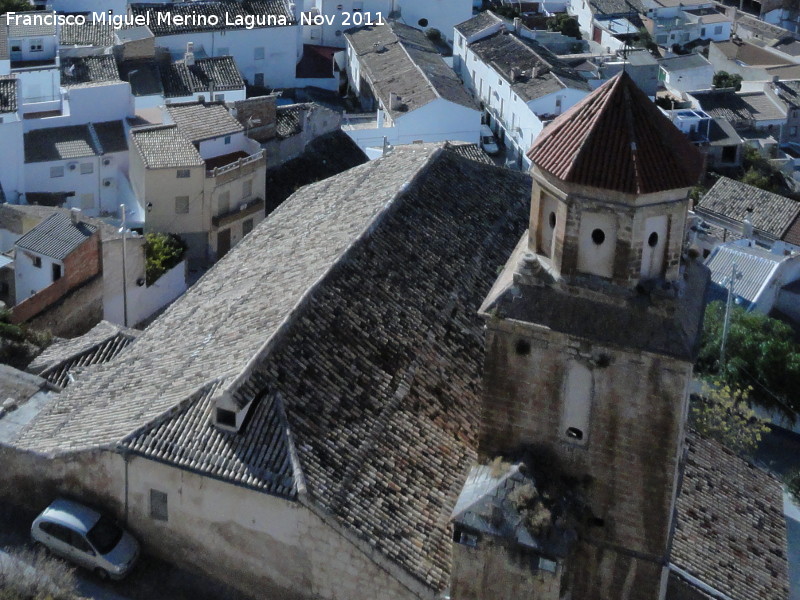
105,535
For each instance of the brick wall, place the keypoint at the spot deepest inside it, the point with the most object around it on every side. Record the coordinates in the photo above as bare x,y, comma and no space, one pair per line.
80,266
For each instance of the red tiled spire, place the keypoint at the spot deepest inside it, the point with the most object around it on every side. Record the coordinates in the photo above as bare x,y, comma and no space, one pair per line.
617,139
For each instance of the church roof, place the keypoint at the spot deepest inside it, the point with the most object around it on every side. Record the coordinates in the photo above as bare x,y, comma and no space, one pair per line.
617,139
373,373
731,532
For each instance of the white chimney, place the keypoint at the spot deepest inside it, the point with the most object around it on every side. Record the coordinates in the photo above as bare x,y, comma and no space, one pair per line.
517,25
747,225
74,215
188,58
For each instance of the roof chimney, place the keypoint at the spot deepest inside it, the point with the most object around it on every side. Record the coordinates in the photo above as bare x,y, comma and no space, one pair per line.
74,215
517,25
747,224
188,58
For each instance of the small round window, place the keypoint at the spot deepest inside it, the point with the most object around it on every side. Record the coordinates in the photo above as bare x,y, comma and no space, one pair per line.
598,236
423,22
652,240
552,220
338,33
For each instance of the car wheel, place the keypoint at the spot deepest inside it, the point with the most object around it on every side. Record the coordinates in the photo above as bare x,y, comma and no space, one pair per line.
101,574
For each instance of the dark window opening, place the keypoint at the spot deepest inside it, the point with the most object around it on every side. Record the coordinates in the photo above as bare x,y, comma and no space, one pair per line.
56,272
37,262
598,236
728,154
574,433
158,505
423,22
552,220
226,417
523,347
652,240
706,252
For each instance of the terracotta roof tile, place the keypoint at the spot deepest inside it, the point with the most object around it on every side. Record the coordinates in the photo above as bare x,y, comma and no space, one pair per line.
731,532
617,139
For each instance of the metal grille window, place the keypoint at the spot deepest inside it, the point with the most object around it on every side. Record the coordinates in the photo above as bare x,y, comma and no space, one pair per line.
158,505
183,173
87,168
56,172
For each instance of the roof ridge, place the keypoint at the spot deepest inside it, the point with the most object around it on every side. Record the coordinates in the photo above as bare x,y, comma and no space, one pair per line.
414,63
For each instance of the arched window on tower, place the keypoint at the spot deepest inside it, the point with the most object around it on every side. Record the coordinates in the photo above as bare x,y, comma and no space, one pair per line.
548,220
597,242
577,404
654,245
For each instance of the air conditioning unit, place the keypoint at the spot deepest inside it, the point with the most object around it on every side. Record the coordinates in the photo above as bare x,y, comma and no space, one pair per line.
72,166
108,183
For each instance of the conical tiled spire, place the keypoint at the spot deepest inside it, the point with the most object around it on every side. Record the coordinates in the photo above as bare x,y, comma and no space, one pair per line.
617,139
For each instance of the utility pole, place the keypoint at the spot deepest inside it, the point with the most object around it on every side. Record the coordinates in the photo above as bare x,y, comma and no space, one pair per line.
735,274
124,270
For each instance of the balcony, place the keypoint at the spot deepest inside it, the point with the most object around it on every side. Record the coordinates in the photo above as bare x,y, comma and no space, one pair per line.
243,210
233,165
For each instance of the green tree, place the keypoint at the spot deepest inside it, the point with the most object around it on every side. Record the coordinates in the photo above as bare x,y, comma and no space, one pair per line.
565,25
723,79
162,252
14,6
757,179
722,412
643,39
760,353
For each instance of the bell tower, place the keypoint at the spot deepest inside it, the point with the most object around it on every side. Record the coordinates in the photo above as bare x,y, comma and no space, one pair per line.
591,335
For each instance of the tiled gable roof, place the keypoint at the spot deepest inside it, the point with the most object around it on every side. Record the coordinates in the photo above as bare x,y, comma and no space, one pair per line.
377,369
56,237
772,214
164,146
33,24
731,532
58,143
221,9
74,141
398,59
67,357
206,74
287,120
93,33
543,72
200,121
617,139
616,7
88,69
483,20
8,95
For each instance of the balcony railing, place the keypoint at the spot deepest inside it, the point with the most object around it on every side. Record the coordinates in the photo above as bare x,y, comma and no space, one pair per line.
237,164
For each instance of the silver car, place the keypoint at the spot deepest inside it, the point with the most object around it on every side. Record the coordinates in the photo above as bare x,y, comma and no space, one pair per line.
87,538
